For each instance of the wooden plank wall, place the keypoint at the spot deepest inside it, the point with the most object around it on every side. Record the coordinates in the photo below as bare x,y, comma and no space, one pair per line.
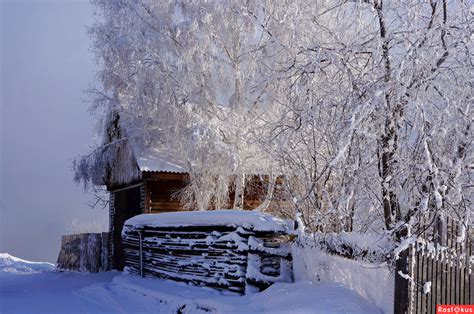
446,270
160,186
160,195
229,258
441,273
111,229
85,252
127,203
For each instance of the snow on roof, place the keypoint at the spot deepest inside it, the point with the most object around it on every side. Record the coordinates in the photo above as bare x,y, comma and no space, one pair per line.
157,160
253,220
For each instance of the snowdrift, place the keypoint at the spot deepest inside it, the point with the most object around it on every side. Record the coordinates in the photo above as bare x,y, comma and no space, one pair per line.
112,292
372,281
11,264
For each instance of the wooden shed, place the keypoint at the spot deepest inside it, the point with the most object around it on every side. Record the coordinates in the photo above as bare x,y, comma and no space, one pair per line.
144,182
143,179
138,184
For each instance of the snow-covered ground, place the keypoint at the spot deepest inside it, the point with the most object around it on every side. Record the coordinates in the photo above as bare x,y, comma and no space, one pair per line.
374,282
41,289
13,265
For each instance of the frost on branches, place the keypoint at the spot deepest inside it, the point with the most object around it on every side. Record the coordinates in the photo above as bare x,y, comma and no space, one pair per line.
364,107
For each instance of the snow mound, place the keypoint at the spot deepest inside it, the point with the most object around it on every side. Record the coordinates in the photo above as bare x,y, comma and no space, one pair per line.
373,282
112,292
15,265
299,297
251,220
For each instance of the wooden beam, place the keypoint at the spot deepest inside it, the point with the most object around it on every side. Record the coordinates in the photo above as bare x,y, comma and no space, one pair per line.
119,189
164,176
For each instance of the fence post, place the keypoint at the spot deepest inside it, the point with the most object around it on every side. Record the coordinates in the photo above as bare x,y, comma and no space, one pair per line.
104,255
141,252
402,285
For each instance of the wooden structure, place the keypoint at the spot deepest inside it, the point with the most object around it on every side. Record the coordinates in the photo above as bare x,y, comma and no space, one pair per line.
206,250
145,182
151,194
440,271
437,267
85,252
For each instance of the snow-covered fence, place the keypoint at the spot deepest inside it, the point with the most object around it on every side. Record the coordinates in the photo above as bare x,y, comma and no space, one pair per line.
353,245
356,261
424,270
85,252
240,251
436,272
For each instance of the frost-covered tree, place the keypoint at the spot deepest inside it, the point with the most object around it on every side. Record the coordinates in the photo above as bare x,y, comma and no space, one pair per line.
364,106
179,80
375,119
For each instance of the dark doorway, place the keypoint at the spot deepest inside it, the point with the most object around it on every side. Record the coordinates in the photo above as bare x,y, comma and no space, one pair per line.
126,205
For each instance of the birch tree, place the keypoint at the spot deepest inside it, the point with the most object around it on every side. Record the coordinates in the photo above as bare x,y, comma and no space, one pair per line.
360,89
179,78
364,107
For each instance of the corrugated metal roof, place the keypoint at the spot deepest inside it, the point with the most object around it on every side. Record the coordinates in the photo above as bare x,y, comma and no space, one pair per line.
154,160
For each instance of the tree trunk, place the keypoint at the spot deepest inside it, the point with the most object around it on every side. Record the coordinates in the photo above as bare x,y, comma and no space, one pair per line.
269,195
239,192
391,208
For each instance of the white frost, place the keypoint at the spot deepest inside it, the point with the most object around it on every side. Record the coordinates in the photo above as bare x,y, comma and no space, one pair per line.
233,218
427,287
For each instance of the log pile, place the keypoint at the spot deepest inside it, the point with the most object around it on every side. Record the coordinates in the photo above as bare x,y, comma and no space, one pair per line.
234,257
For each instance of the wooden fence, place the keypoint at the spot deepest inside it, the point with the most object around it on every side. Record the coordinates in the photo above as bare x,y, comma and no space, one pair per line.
85,252
433,273
224,257
436,269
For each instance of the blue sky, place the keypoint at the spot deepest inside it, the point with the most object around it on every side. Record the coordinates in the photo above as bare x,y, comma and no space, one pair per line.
46,66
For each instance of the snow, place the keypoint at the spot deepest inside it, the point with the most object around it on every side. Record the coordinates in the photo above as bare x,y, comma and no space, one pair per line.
254,270
373,282
427,287
372,248
114,292
300,228
157,160
300,297
12,264
258,244
252,220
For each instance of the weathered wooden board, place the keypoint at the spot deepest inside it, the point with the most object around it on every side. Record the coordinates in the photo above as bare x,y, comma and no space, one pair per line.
85,252
438,274
124,204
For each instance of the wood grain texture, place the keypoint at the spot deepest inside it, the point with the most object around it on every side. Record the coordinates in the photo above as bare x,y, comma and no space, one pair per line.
219,257
85,252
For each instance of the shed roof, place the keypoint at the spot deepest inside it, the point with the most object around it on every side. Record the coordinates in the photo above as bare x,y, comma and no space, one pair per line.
157,160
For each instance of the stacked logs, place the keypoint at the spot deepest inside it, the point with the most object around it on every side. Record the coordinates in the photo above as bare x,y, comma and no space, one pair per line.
231,258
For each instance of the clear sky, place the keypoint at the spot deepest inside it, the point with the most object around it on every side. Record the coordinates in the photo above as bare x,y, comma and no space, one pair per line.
46,66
